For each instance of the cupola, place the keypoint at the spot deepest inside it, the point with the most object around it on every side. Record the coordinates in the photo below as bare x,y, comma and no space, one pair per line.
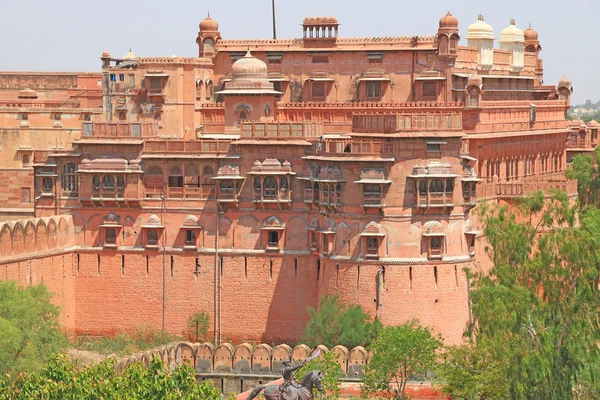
513,40
532,43
447,36
481,36
208,37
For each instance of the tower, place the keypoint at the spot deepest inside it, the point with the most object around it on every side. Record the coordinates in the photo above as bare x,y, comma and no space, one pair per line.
513,40
208,37
447,36
481,36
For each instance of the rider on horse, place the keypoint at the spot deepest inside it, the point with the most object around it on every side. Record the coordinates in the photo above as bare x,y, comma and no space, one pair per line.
288,375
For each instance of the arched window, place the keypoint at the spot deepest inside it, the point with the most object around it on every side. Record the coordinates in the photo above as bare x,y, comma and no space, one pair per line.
436,186
96,182
120,182
209,45
243,116
207,173
270,187
154,177
175,177
338,194
449,186
69,177
443,44
257,185
110,236
422,188
192,176
108,182
209,90
316,193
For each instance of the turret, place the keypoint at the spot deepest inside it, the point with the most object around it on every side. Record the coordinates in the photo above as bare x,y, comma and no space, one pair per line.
208,37
447,36
481,36
513,40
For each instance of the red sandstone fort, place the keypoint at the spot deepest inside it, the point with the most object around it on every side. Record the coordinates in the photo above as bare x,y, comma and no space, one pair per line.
251,181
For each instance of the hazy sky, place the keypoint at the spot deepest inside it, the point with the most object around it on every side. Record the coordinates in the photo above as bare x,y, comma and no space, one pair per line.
70,35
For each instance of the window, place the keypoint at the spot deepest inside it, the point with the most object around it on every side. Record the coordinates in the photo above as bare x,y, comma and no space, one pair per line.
110,236
434,147
57,117
436,186
108,182
25,159
338,194
316,193
273,239
257,186
121,182
320,59
209,45
372,191
422,188
436,243
429,89
318,89
270,188
243,116
69,177
152,237
277,88
87,118
449,186
373,90
96,182
190,236
372,245
155,85
313,240
226,187
47,184
175,177
25,195
284,185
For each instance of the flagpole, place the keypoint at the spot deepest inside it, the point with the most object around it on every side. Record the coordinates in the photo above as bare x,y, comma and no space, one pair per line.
274,26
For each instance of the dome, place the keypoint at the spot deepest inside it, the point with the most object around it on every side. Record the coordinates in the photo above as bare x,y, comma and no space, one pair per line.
209,24
480,30
475,80
448,21
130,56
512,34
105,54
593,124
249,68
564,82
530,34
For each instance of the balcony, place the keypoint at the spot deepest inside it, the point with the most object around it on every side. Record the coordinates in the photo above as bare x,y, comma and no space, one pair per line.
187,192
281,130
435,254
119,130
392,123
497,190
200,146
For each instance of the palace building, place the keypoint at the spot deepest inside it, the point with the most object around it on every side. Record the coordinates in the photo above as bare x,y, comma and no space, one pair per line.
255,179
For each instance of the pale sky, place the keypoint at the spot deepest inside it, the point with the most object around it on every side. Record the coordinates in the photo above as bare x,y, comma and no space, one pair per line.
70,35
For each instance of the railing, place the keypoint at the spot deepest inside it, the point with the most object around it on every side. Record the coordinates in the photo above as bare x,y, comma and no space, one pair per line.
372,201
520,189
108,194
281,130
119,129
186,192
435,253
191,146
390,123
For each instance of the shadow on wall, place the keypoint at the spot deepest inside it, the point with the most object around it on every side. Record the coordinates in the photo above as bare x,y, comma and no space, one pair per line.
37,235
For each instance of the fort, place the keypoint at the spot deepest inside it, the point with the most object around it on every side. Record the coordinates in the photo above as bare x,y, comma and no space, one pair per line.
255,179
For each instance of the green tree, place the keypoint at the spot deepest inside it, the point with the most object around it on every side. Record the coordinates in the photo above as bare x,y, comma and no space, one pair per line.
584,170
332,373
197,327
399,353
334,323
535,314
29,329
59,379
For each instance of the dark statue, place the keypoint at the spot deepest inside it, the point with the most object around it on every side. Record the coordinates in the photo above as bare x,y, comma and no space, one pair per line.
291,389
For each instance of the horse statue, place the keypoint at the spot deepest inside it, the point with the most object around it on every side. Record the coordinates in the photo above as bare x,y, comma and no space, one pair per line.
292,390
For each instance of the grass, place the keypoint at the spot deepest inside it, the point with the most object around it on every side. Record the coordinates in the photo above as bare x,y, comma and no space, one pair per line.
124,343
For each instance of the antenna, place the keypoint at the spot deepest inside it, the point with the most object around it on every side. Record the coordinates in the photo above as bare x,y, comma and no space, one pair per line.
274,26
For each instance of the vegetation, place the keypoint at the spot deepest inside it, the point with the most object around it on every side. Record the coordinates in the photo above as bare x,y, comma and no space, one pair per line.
535,327
332,372
123,344
197,327
29,329
399,353
334,323
59,379
585,171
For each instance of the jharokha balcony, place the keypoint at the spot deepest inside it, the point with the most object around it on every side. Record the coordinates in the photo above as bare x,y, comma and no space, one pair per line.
119,130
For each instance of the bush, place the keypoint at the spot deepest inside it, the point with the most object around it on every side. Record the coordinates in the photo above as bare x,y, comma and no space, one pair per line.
334,323
29,329
332,372
199,321
59,379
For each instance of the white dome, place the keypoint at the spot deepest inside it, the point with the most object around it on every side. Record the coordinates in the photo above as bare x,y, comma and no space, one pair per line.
130,56
512,34
480,30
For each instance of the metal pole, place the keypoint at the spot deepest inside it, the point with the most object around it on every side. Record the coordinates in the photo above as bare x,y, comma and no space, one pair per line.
164,243
274,26
217,284
197,323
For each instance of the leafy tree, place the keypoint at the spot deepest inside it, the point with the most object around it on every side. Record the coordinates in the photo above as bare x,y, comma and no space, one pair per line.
399,353
59,379
332,373
29,329
535,314
197,326
584,170
334,323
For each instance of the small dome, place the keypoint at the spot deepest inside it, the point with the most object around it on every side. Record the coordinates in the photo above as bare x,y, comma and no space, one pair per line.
105,54
530,34
209,24
27,94
448,21
564,82
474,80
130,56
512,34
593,124
480,30
249,68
